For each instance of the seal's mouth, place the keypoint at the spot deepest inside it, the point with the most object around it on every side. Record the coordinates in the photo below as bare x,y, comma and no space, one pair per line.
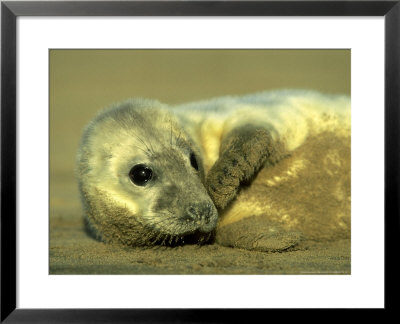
197,237
200,238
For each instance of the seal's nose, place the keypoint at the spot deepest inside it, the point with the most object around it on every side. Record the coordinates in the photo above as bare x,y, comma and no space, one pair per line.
191,214
198,212
202,215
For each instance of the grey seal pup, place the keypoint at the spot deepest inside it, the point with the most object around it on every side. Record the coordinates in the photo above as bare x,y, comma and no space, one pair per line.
260,172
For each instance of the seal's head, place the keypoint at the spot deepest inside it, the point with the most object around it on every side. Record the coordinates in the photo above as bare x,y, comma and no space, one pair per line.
141,178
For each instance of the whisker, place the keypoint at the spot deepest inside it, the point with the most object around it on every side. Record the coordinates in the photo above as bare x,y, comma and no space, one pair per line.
142,141
145,152
163,241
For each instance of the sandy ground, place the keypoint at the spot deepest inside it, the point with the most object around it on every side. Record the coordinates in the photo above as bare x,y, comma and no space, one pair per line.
72,251
82,82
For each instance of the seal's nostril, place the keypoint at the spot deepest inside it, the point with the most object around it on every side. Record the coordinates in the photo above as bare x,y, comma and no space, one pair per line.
207,214
188,218
191,214
201,213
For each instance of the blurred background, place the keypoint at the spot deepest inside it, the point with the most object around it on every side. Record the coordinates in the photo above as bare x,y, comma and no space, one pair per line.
84,81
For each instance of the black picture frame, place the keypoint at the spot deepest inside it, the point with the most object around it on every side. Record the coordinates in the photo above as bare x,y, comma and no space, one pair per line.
11,10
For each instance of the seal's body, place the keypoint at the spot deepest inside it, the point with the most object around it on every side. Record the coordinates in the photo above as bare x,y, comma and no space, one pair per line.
264,170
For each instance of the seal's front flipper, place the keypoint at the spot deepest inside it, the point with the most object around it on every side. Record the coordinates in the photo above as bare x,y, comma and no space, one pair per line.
255,233
243,151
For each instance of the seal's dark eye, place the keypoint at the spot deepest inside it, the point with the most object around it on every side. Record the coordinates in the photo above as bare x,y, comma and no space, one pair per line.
193,161
140,174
